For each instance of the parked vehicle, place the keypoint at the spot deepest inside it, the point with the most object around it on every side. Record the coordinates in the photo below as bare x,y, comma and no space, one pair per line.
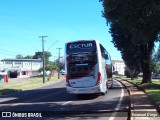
63,72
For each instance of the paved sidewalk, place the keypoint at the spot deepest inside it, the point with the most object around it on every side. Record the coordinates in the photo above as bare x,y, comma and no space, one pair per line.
142,107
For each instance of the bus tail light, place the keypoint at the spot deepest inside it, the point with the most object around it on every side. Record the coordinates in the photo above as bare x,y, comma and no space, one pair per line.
99,79
67,80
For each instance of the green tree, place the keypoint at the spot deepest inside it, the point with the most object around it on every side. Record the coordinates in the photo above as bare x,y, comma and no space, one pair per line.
157,55
50,66
130,52
156,61
59,63
28,57
19,56
39,55
142,19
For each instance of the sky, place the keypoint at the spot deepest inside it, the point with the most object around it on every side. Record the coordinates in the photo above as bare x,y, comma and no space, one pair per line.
23,21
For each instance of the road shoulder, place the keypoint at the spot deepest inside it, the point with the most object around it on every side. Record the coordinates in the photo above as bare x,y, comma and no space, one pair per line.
142,106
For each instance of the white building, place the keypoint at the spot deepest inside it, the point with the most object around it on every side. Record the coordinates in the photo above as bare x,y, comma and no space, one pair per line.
119,66
21,67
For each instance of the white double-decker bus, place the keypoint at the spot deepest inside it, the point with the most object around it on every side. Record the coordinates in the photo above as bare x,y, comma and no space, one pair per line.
88,67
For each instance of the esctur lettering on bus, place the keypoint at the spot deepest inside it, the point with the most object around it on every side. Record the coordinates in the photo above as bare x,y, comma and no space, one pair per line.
80,45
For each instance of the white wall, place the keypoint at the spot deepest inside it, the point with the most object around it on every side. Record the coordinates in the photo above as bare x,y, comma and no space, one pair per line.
120,67
23,65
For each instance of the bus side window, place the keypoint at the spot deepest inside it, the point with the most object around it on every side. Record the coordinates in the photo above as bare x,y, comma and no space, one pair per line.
106,55
108,60
103,52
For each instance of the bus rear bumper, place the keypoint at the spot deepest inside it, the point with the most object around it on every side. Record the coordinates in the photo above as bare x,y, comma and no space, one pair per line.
90,90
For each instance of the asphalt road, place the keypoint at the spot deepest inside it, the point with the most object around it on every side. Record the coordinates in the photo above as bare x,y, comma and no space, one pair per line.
53,103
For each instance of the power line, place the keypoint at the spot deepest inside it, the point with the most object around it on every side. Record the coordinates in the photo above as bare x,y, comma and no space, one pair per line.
11,51
16,52
22,48
52,45
8,51
7,54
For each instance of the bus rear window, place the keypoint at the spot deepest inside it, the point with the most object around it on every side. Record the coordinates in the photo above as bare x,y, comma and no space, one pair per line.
81,47
82,58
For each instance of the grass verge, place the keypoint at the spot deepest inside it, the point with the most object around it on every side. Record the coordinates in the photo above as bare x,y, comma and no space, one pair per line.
15,85
152,89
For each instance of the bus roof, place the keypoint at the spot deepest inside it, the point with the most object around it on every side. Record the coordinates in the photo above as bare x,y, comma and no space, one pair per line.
81,41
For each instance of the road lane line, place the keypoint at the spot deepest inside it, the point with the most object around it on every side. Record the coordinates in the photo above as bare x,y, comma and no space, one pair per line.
66,102
119,102
2,106
44,96
39,103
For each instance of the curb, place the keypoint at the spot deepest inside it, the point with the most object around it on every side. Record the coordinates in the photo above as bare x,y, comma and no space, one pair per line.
130,98
153,102
157,106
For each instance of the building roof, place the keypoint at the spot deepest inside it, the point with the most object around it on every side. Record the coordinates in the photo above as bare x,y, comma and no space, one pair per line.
117,61
11,59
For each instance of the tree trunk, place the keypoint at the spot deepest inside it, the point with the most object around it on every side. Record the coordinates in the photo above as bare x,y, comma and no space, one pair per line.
132,71
146,73
132,78
146,52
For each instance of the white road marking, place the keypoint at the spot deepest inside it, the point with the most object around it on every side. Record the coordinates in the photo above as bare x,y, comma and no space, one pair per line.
119,102
66,102
2,106
7,99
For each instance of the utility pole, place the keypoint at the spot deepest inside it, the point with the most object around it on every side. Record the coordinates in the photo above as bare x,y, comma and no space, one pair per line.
59,62
43,57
